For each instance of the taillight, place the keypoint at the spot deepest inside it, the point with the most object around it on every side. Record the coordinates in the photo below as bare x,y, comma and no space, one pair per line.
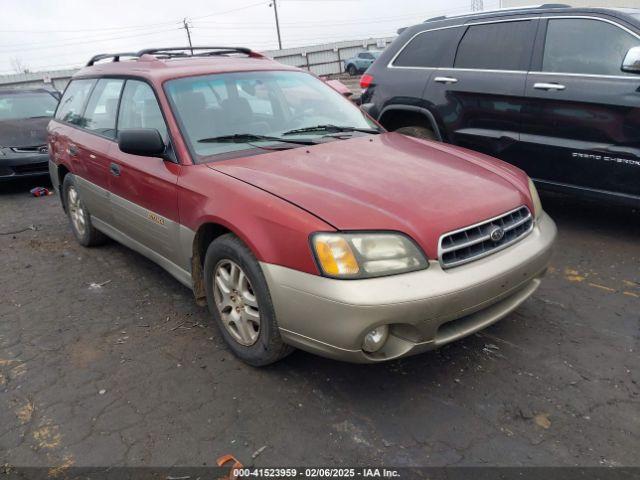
366,81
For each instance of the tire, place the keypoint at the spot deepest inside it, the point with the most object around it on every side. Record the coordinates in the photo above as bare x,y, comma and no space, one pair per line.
352,70
248,301
418,132
79,217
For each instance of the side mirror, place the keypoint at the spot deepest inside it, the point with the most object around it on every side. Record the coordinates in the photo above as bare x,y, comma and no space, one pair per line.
631,61
146,142
340,87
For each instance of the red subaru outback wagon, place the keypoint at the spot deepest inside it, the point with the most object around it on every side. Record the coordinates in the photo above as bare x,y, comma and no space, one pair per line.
289,212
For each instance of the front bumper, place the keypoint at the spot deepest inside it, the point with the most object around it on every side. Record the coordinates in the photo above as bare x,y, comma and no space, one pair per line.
424,309
23,165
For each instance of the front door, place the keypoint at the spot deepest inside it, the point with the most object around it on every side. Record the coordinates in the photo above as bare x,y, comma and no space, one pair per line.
581,123
143,189
479,97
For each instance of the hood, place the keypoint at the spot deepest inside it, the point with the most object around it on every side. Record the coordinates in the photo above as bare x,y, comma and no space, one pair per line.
24,132
388,182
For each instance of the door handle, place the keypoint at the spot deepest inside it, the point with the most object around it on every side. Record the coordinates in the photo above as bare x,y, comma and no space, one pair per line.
72,150
114,168
445,80
548,86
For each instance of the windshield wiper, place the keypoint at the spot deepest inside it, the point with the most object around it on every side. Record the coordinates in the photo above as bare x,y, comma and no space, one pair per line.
250,137
330,128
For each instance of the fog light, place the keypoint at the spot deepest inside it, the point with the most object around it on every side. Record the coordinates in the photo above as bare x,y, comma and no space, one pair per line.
375,339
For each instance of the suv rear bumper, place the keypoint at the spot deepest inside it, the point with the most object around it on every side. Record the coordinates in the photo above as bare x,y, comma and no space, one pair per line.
424,309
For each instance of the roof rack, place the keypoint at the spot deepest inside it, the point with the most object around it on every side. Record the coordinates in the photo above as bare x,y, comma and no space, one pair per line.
497,10
177,52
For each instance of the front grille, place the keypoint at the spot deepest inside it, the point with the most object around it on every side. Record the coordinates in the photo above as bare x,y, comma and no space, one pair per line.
40,167
471,243
37,149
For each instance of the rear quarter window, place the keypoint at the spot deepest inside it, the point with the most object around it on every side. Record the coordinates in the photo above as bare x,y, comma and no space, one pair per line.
74,100
427,49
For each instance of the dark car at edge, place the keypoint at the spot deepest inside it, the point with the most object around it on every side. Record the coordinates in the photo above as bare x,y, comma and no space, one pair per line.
24,115
553,90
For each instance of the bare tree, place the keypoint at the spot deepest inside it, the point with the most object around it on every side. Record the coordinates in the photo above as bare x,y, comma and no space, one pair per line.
18,66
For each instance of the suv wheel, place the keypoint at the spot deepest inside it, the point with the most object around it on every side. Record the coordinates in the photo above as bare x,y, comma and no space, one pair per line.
352,70
79,216
239,300
418,132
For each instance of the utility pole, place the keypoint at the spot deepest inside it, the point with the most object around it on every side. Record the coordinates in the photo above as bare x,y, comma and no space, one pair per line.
275,9
477,6
185,25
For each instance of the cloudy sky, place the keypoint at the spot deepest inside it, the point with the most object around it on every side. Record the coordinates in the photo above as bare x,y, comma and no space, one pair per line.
54,34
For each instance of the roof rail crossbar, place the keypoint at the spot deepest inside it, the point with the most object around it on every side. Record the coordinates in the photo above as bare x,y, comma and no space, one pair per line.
114,56
500,10
202,51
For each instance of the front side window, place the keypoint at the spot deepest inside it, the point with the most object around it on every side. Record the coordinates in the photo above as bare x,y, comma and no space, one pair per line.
427,49
139,108
586,46
496,46
269,104
102,108
16,106
73,101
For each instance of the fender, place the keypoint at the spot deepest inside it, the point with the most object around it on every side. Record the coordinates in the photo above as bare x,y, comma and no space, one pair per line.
411,108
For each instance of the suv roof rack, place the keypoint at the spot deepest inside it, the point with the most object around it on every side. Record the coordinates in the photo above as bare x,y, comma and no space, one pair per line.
510,9
176,52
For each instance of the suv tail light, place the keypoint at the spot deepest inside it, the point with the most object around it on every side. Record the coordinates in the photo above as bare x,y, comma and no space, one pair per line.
366,81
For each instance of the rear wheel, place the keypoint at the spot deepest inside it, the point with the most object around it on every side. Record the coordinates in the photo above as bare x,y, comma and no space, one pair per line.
79,216
352,70
418,132
239,300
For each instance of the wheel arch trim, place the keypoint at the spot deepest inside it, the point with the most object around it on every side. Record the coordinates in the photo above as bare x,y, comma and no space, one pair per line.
412,108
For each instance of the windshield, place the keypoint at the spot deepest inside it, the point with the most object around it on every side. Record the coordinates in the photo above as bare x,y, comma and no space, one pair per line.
263,104
15,106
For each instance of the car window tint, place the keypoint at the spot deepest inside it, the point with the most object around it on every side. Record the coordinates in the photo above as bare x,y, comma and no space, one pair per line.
496,46
139,108
427,49
102,108
366,56
73,101
26,105
586,46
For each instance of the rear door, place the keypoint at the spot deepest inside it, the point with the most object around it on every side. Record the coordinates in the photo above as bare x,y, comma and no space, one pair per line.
581,124
143,189
478,98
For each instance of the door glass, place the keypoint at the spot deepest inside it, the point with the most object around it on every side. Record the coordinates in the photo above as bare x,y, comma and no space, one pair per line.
139,108
73,101
101,111
586,46
496,46
427,49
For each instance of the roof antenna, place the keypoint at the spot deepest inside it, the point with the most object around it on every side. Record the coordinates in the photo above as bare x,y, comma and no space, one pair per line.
185,25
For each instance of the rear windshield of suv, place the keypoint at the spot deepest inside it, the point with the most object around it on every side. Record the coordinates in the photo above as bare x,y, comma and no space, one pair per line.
269,103
16,106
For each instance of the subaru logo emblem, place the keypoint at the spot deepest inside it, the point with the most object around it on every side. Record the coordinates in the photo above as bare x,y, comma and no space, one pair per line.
44,149
496,234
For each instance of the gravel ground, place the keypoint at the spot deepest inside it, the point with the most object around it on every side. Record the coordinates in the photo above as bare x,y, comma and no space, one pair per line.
106,360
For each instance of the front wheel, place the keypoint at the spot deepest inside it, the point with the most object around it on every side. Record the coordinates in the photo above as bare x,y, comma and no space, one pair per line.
239,300
352,70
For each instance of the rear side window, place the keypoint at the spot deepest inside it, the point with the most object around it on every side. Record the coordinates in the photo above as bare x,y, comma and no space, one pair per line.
496,46
586,46
427,49
102,109
139,108
73,101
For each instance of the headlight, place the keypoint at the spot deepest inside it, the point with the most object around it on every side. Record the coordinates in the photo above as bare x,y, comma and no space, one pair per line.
365,255
537,204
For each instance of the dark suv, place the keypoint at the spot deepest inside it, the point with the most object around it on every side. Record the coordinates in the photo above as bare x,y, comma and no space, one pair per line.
554,90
